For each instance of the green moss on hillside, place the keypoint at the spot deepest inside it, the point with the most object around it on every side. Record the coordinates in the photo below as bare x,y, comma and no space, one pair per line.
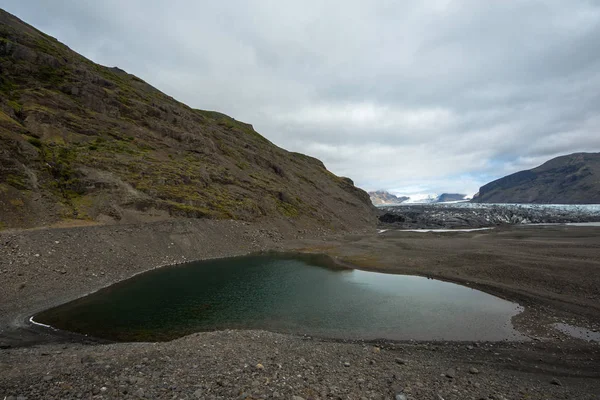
87,139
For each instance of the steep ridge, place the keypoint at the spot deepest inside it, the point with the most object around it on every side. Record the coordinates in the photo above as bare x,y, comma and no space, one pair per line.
83,142
570,179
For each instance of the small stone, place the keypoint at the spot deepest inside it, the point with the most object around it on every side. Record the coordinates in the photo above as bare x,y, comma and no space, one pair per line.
376,350
346,364
87,359
451,373
556,382
297,398
473,371
400,396
48,378
401,361
260,366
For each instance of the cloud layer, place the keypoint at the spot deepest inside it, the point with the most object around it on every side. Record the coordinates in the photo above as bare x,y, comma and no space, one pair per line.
413,96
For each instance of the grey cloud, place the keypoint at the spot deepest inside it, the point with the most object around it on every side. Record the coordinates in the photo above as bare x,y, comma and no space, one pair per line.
437,95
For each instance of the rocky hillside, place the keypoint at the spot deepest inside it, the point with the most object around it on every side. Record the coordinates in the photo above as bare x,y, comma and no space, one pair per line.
79,141
570,179
381,197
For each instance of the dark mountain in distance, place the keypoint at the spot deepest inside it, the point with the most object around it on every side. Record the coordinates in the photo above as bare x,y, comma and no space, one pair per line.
83,142
381,197
570,179
445,197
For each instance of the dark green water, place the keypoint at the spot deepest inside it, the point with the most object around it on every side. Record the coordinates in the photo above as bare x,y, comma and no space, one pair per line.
285,294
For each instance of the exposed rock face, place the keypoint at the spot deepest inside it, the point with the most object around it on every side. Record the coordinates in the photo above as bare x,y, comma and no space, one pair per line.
571,179
79,141
381,197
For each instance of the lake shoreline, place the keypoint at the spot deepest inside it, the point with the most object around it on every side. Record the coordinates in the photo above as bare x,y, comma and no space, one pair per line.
44,268
472,260
289,293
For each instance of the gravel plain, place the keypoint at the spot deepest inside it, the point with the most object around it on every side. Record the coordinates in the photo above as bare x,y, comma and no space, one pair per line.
553,272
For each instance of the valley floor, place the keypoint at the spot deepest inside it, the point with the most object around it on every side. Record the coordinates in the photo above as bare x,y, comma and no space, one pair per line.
553,271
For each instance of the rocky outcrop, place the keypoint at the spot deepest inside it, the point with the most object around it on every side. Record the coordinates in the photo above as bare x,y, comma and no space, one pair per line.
86,143
570,179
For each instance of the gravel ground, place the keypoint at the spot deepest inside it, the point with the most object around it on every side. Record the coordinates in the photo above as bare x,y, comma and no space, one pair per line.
258,365
553,272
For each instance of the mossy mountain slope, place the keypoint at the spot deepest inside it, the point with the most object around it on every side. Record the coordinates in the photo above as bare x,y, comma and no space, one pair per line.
79,141
570,179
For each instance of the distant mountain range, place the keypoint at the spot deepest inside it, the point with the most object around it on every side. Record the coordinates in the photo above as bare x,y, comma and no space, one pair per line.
382,197
570,179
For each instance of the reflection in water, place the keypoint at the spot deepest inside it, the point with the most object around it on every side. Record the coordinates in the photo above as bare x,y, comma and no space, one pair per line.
285,293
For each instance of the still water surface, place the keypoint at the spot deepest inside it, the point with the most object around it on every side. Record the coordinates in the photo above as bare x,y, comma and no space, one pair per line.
285,293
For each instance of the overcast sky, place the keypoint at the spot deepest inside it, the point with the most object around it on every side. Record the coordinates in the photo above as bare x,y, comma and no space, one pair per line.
411,96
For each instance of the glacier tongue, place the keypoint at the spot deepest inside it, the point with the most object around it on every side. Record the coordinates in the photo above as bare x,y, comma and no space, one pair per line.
479,215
